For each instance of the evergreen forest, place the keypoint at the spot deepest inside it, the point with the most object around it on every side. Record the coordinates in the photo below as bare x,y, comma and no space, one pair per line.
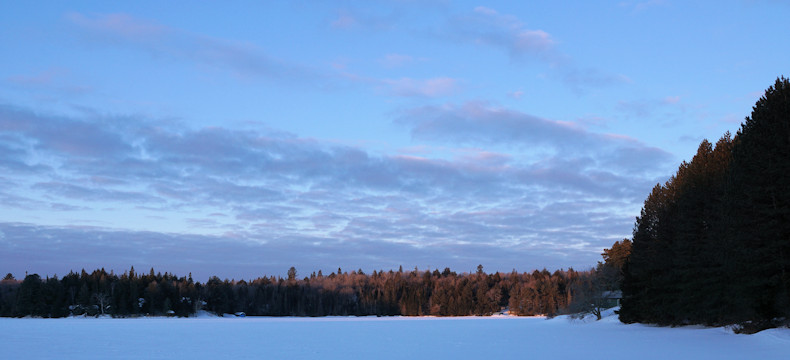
382,293
712,244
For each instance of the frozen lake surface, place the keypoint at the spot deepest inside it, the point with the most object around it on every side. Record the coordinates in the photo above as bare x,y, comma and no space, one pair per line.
376,338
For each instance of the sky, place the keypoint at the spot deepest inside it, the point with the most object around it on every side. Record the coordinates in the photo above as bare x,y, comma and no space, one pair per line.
238,139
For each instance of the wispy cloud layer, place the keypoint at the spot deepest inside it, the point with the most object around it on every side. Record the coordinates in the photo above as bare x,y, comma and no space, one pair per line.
280,193
479,123
244,59
241,58
486,26
429,88
396,60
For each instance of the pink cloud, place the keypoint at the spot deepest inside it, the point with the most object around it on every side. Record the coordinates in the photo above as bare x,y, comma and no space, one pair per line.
488,27
533,40
242,58
671,100
433,87
486,11
120,24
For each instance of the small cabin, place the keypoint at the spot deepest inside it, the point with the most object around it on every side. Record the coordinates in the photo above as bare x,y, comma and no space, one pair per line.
612,298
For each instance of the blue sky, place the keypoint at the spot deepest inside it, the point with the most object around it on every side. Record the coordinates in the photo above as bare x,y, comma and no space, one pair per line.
241,139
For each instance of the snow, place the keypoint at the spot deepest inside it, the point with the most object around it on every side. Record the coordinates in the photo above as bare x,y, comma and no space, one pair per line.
500,337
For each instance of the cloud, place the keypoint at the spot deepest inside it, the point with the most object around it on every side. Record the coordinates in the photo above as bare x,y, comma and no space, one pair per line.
62,135
41,78
433,87
671,100
241,58
396,60
581,79
367,18
641,6
479,123
72,191
121,25
344,20
648,107
488,27
74,248
486,11
53,80
409,87
636,108
292,201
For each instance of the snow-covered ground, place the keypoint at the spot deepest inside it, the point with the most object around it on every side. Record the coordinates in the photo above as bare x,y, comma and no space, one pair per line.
501,337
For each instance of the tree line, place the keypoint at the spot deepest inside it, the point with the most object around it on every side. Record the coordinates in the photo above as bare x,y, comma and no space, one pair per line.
712,244
355,293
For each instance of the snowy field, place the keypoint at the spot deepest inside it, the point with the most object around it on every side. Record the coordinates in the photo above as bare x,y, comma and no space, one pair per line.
376,338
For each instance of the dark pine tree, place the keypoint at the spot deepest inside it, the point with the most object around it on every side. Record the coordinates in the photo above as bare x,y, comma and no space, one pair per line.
712,244
758,204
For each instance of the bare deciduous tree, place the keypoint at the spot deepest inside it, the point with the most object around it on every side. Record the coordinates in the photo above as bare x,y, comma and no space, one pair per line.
103,300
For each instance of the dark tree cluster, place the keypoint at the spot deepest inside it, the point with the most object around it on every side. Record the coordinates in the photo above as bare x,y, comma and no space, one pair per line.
382,293
389,293
99,293
599,289
712,245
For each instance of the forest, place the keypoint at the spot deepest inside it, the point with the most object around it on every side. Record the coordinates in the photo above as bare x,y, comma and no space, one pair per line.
342,293
381,293
712,244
